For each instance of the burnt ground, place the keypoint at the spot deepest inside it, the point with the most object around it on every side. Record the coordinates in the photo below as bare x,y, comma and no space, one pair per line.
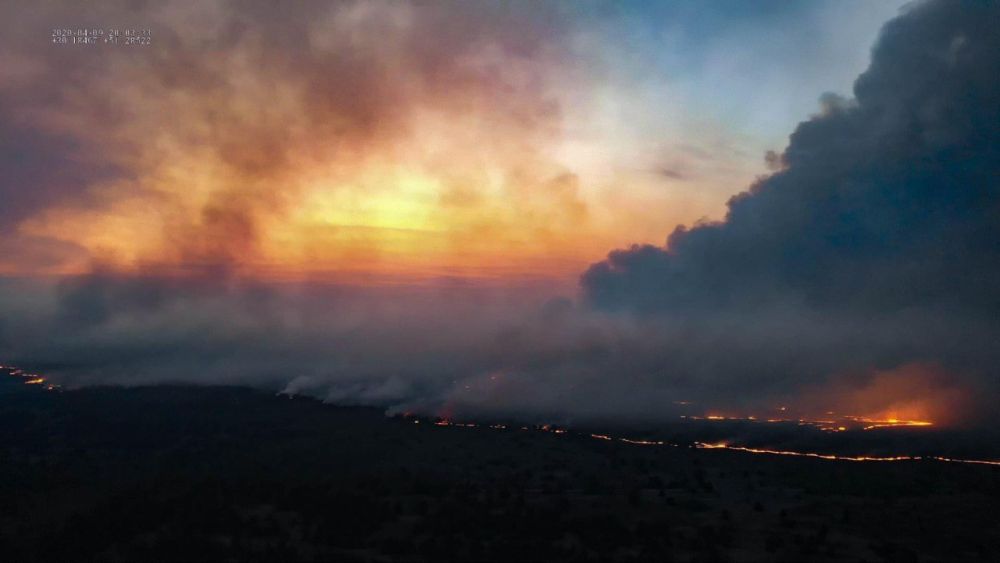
190,473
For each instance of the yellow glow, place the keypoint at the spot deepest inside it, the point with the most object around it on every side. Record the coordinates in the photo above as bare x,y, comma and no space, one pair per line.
461,192
401,202
842,424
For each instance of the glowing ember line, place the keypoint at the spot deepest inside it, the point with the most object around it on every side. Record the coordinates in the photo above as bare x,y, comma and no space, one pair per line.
974,461
29,378
704,446
643,442
744,449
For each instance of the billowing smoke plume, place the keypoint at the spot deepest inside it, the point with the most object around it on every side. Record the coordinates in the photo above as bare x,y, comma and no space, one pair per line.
876,244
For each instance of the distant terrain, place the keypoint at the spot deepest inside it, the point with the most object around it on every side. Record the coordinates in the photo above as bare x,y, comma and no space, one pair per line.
190,473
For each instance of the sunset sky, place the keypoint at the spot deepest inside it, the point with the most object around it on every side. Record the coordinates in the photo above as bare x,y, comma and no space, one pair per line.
558,209
388,142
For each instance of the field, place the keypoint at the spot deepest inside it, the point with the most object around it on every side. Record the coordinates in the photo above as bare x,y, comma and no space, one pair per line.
231,473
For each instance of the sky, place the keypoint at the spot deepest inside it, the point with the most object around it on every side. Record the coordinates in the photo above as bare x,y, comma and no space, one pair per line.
557,209
399,143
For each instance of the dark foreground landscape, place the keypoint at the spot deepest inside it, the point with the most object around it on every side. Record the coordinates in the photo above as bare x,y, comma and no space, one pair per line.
229,473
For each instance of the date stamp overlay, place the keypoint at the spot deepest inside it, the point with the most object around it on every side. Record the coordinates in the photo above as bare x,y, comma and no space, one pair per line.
85,37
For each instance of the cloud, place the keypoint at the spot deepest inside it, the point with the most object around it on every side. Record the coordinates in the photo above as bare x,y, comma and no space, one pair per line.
54,167
870,250
241,119
875,244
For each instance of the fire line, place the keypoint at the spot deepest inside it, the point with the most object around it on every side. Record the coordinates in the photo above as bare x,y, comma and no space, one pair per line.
724,446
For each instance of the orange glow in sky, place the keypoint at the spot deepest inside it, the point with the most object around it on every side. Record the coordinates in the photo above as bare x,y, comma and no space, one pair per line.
377,156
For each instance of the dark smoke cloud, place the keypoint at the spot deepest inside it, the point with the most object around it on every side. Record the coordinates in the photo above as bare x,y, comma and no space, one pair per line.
876,243
885,202
55,168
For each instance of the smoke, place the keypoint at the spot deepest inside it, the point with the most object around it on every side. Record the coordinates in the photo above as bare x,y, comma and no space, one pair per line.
246,133
872,248
875,243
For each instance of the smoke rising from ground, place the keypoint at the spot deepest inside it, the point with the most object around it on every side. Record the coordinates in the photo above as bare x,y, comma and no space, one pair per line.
876,244
870,257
